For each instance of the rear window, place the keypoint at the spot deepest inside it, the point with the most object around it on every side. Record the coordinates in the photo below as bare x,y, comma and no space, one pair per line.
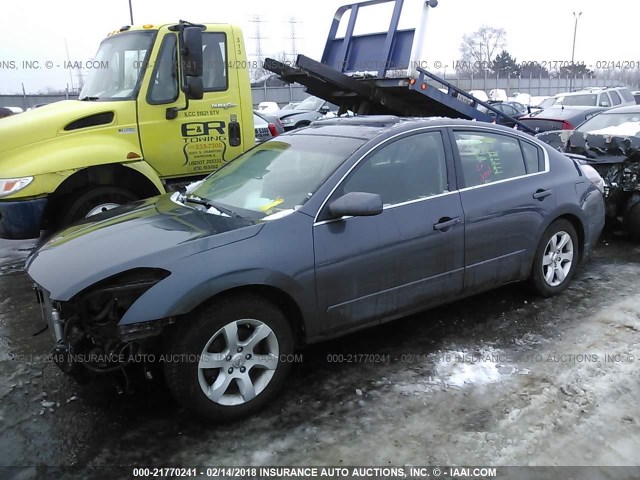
626,95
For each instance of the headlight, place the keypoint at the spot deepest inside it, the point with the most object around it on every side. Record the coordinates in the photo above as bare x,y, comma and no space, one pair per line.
12,185
287,120
594,176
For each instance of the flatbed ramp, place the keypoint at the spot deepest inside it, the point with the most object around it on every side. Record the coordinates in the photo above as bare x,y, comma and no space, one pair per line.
340,79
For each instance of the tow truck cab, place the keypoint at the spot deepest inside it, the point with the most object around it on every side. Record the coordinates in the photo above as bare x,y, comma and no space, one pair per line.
168,104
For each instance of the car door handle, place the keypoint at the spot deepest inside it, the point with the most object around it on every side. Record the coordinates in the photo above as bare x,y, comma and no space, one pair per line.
445,222
542,194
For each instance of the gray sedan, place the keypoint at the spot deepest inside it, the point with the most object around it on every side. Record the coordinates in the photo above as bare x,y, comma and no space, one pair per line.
328,229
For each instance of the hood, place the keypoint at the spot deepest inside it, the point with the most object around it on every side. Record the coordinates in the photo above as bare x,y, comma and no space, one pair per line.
153,233
52,120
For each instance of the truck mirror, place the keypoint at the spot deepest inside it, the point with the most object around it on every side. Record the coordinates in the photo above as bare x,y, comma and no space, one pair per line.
194,90
192,51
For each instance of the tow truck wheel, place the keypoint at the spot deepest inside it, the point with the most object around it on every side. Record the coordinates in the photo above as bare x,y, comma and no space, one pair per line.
96,200
633,222
227,361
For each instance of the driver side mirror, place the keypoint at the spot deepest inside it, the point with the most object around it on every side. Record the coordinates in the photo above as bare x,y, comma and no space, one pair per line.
192,60
324,109
356,204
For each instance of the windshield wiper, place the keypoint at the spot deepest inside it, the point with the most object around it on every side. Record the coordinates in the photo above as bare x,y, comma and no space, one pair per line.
89,99
209,203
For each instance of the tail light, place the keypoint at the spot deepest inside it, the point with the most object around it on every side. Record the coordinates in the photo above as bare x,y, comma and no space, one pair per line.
567,126
273,130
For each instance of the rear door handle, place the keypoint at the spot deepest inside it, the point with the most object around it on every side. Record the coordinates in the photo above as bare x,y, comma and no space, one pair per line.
445,223
542,194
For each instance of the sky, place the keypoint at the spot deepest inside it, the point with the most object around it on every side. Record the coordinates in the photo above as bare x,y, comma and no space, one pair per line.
541,30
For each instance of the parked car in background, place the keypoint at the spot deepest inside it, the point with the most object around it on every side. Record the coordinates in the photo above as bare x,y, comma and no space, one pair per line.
597,96
508,109
521,108
290,106
521,98
308,110
537,100
268,107
317,233
610,143
5,112
498,94
266,126
480,95
559,117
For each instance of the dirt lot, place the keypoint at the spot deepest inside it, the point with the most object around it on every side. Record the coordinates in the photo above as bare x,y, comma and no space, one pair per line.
504,378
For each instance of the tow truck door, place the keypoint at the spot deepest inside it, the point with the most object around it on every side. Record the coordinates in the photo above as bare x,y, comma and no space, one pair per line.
197,140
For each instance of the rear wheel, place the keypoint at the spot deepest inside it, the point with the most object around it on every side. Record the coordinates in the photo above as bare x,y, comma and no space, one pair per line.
227,362
96,200
556,259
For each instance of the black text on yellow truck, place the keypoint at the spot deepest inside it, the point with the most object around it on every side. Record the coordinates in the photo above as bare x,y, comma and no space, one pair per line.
169,104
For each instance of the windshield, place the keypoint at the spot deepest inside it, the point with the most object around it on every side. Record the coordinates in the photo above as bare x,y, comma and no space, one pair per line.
278,175
310,103
121,58
586,100
613,124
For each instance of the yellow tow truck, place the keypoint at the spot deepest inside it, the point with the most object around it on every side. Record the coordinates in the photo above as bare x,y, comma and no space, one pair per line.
169,104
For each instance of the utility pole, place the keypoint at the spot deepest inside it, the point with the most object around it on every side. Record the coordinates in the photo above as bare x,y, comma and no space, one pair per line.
259,56
294,50
131,12
573,49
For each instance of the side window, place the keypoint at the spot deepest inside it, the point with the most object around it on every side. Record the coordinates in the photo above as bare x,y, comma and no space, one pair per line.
615,98
488,157
533,159
164,81
604,101
626,95
408,169
214,54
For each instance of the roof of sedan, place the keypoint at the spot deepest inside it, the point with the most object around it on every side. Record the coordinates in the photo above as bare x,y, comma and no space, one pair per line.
370,126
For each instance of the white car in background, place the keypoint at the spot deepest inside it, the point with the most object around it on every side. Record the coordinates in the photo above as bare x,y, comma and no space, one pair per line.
268,107
498,95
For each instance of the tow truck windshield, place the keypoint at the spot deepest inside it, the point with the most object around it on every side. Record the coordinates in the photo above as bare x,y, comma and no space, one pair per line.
121,59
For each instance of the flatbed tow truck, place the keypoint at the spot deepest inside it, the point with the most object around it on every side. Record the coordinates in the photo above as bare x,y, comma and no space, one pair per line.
357,72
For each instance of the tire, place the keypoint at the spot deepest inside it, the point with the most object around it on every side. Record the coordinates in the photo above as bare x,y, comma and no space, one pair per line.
633,222
552,271
304,123
91,200
249,375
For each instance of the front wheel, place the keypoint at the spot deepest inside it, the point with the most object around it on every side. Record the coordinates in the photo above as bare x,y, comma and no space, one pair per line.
228,362
556,259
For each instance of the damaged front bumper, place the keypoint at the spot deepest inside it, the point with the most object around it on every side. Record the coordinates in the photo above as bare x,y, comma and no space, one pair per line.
86,332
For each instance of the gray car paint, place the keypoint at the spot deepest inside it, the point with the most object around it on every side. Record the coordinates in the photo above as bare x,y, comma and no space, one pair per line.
337,275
